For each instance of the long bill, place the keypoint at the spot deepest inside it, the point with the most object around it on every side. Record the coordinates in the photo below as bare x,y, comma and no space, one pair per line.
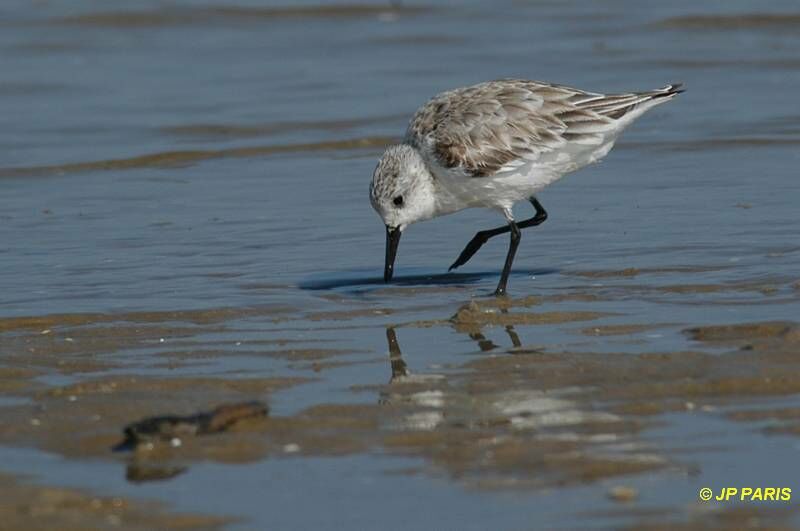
392,241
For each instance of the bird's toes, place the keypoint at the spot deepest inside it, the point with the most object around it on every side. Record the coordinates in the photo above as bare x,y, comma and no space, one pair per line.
461,260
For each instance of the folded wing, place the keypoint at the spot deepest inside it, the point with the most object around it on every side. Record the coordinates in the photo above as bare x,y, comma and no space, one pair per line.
491,127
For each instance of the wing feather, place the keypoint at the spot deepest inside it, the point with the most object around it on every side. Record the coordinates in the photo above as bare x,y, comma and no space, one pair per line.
503,124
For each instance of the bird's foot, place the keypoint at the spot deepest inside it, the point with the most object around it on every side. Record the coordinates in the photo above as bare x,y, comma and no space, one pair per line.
500,292
471,248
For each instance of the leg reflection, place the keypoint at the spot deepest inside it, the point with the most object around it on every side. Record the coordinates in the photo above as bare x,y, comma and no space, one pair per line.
484,344
475,333
512,334
423,393
398,364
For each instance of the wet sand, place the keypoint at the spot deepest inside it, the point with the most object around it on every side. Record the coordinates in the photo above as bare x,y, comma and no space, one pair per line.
26,506
520,416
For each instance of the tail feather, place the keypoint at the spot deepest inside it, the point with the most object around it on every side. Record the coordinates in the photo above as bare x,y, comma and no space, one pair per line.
618,105
668,91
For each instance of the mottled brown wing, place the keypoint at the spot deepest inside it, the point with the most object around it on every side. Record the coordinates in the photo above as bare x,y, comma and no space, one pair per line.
483,128
488,127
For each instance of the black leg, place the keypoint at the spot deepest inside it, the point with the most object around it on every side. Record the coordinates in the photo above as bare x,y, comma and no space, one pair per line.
483,236
516,236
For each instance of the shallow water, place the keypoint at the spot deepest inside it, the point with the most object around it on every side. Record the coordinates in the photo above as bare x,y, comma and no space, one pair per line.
184,222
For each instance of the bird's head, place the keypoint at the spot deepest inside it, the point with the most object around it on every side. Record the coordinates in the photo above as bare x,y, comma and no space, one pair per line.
401,193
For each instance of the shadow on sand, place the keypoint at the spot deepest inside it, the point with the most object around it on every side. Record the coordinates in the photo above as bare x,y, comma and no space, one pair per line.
357,279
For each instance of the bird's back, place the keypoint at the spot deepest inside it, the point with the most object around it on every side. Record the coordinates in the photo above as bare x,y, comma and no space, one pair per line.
499,127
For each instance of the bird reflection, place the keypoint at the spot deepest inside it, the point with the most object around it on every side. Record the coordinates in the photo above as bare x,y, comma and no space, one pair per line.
400,367
475,332
428,396
429,401
400,372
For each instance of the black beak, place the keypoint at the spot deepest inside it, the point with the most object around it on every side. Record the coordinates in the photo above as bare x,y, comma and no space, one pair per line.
392,241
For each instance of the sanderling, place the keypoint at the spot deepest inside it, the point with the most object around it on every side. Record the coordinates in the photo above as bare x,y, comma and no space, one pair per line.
491,145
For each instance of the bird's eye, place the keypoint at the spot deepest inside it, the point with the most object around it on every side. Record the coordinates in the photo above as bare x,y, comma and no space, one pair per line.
398,201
